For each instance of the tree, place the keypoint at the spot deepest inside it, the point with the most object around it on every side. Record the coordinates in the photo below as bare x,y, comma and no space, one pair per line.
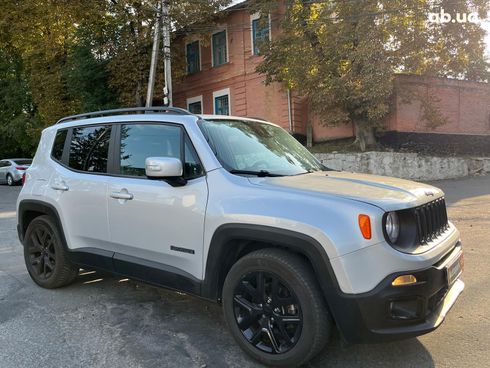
61,57
342,55
19,123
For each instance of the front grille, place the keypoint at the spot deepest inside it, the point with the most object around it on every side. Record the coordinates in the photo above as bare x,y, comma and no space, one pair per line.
431,220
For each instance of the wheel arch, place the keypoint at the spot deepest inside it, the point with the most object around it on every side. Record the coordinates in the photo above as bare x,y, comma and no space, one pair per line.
230,242
29,209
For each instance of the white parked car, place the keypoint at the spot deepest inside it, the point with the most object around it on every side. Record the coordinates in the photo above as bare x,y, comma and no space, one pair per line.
236,211
12,170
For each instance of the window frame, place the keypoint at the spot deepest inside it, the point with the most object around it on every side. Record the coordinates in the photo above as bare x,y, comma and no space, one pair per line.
113,159
199,55
227,56
116,162
192,100
221,93
256,17
66,149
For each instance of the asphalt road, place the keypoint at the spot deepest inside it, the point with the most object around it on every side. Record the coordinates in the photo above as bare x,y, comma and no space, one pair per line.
104,321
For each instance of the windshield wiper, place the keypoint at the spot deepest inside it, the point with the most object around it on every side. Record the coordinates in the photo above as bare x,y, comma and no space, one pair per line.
260,173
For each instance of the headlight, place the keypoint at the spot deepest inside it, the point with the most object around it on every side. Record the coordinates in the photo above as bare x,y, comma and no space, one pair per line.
392,227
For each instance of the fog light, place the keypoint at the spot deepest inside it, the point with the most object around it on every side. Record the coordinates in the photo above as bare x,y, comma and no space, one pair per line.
404,280
406,309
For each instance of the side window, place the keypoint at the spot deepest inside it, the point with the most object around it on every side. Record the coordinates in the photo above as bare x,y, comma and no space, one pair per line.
192,168
59,144
139,141
89,148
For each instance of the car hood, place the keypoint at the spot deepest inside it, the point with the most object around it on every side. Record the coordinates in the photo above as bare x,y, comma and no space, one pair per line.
385,192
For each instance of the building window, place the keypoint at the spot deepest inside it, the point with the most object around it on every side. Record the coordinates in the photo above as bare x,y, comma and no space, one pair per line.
260,29
193,57
222,102
194,105
219,48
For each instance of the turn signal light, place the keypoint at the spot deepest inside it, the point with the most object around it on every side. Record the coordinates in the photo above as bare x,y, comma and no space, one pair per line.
365,226
404,280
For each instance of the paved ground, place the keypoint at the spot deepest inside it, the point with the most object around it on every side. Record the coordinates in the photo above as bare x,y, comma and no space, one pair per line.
102,321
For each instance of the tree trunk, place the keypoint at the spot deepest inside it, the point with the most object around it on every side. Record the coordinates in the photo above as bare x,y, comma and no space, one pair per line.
364,135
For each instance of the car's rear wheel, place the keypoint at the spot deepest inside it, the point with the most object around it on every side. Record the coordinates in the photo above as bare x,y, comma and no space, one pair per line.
45,257
274,308
10,180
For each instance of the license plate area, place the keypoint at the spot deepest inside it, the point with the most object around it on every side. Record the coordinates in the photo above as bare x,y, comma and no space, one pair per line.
454,269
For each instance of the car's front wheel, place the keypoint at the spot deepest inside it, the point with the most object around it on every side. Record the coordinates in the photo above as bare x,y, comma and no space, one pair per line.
274,308
45,257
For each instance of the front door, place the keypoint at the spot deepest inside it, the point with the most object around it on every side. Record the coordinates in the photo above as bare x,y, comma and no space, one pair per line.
151,222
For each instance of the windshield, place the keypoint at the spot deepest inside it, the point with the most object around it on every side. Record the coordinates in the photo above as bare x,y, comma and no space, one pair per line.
23,162
251,147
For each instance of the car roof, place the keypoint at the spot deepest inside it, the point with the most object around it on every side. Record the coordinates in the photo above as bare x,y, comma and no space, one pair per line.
152,117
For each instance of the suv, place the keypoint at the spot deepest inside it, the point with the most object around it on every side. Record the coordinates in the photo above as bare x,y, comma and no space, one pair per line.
236,211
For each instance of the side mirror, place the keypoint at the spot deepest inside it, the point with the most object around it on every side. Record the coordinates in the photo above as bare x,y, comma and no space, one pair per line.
163,167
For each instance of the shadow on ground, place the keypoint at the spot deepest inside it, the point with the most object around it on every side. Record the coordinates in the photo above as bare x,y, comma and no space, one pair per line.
153,322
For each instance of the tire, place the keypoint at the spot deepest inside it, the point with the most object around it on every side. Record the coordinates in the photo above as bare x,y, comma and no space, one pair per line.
10,180
253,316
45,256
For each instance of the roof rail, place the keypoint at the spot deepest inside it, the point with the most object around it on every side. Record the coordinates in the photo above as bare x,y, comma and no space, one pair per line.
131,110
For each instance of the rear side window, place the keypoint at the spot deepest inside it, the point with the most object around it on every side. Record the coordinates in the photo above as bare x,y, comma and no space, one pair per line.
89,149
59,144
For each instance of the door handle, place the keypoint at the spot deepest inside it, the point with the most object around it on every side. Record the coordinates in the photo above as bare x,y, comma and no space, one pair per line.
122,195
60,186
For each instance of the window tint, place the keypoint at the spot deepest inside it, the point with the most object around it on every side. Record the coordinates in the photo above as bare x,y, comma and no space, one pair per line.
89,148
192,53
219,48
140,141
59,144
3,164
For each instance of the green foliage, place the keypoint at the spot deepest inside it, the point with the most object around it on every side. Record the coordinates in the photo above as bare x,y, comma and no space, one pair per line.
61,57
342,55
19,124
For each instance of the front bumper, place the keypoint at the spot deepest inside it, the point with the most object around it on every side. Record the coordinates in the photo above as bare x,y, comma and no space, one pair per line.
390,313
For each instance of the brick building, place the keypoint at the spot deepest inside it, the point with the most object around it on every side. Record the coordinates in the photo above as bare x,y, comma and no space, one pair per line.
221,79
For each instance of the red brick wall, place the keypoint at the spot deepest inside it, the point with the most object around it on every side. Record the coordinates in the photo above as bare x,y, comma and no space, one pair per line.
465,106
249,96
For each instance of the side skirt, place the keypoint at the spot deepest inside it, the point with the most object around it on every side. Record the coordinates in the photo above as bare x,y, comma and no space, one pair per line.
138,269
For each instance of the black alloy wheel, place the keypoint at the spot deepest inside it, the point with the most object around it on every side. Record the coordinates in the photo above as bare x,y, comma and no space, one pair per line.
45,255
274,308
267,312
41,251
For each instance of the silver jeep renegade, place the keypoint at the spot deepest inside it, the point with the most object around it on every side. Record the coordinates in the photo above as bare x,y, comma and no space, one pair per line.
236,211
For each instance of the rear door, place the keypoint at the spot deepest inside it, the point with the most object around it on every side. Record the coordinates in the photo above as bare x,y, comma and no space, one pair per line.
79,185
153,223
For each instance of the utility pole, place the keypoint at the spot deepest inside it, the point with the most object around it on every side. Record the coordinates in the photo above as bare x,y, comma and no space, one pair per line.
154,58
167,91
